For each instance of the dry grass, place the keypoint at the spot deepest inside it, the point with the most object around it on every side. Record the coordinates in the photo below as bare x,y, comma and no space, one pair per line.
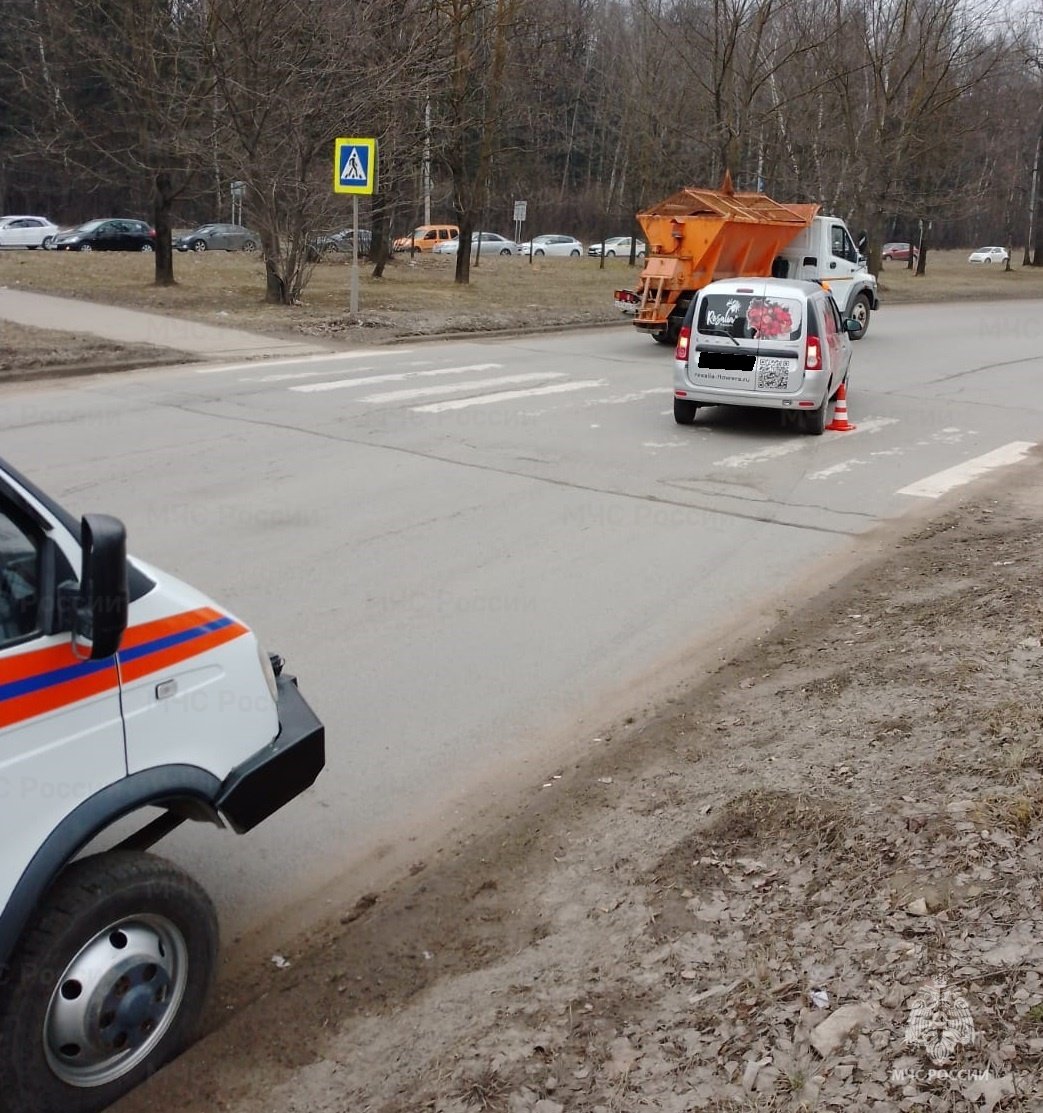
229,289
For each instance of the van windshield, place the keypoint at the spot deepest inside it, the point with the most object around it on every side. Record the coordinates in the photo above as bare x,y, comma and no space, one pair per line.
750,317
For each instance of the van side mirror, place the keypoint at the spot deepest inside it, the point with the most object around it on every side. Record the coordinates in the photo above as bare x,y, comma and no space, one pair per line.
851,326
100,616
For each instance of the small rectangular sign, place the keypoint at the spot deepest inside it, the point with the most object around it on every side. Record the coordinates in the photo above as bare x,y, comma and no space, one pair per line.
354,165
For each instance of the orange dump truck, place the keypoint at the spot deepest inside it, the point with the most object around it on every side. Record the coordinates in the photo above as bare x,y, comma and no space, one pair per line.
698,235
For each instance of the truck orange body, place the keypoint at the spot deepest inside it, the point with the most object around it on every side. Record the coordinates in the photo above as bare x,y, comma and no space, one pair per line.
698,235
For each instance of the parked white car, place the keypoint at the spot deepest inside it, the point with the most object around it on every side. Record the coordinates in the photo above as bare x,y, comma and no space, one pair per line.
553,245
618,247
492,244
26,231
988,255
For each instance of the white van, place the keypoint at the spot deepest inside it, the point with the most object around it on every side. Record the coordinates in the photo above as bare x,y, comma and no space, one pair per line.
126,697
766,342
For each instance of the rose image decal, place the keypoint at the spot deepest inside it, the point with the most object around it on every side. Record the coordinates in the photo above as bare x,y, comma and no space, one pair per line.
769,319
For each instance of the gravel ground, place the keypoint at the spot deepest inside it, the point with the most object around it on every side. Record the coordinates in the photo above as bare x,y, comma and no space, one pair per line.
811,880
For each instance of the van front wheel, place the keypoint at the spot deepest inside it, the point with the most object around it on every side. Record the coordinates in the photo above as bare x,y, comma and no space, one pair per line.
108,983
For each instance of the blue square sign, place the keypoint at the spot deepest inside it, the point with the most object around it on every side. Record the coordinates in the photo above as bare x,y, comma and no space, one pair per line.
354,165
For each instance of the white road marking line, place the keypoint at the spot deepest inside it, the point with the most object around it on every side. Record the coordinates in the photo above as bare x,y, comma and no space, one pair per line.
636,396
664,444
941,482
394,377
449,388
508,396
838,469
280,361
744,459
289,377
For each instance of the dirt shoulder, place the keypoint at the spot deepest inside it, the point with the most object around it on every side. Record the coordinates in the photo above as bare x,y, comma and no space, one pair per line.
51,353
740,902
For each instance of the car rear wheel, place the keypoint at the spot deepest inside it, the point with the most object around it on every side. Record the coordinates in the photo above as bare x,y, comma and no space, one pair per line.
109,983
539,251
684,411
249,246
573,254
147,249
47,241
813,422
199,245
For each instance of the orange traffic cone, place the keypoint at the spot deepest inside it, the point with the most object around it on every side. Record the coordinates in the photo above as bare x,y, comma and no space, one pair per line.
840,423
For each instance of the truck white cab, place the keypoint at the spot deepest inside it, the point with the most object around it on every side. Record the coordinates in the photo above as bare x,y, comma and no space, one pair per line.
825,252
126,697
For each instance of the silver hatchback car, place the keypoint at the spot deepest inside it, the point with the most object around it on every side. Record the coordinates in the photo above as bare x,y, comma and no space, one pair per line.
767,342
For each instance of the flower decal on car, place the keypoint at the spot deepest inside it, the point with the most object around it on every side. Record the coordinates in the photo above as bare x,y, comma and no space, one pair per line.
769,319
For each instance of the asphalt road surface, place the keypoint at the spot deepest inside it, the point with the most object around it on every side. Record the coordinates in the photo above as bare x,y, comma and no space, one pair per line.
475,553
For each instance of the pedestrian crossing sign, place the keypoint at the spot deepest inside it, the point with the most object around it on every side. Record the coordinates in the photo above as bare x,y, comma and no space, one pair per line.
354,165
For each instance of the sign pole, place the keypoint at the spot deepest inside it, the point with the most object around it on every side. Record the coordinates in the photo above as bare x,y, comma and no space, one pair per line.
354,172
354,254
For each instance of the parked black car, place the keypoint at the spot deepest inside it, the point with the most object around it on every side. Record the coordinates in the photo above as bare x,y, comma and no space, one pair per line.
218,237
107,235
339,243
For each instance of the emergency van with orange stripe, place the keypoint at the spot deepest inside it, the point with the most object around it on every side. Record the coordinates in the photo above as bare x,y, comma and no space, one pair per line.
129,703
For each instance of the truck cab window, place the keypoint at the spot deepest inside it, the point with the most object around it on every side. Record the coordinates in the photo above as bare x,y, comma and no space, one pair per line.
842,245
19,580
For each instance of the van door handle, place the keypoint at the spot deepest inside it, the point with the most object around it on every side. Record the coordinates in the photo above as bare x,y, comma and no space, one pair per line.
832,266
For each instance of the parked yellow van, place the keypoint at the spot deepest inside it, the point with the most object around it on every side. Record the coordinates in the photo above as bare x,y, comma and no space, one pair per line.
426,237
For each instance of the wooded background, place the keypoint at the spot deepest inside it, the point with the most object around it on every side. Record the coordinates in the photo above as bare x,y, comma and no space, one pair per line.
902,116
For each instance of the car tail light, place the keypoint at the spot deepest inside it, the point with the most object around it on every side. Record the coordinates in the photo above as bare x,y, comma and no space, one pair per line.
683,338
813,360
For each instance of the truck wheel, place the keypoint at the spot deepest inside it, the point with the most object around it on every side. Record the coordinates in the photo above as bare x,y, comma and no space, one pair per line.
860,312
107,984
684,411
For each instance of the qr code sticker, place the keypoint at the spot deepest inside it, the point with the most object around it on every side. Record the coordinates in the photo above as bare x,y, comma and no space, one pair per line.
772,378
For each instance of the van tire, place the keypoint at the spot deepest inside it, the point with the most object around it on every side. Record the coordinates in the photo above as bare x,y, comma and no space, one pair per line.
684,411
152,933
813,422
860,309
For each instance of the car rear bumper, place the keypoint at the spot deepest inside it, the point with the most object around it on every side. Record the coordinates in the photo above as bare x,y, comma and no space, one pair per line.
811,395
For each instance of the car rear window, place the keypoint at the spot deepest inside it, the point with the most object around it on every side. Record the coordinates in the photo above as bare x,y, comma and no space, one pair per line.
750,317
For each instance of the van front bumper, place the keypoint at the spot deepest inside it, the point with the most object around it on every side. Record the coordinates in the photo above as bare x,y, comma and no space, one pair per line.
285,767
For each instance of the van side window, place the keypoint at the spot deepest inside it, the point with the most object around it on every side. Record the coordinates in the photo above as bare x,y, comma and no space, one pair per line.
19,579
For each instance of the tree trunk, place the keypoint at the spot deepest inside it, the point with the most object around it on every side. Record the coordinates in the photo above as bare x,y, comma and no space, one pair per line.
921,261
163,204
275,287
379,247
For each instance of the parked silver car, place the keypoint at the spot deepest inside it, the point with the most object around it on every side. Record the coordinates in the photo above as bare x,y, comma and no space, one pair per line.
492,244
618,247
218,237
552,245
774,343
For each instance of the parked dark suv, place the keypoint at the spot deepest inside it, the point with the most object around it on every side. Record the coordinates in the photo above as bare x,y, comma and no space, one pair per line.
107,235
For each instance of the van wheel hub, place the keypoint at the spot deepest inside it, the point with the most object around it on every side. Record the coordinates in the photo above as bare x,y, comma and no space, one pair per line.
115,1000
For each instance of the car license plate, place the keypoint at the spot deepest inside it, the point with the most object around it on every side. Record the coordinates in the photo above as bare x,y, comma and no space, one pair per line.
773,373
